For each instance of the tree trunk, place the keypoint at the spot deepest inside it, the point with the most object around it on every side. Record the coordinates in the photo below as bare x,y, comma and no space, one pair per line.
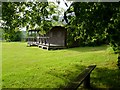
118,64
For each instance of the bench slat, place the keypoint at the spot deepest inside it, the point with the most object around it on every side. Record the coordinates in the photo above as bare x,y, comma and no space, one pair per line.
81,77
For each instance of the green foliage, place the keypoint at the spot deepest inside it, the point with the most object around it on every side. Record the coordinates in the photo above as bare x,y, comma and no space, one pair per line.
10,20
94,23
45,27
32,15
1,33
114,30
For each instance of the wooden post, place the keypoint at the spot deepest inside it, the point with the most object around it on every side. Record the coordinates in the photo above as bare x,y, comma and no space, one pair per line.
39,39
83,77
86,82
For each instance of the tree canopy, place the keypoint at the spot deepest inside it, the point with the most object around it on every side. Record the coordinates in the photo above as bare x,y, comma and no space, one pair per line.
32,15
94,23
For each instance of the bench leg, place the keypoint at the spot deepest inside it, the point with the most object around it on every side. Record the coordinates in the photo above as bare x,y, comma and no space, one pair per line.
86,82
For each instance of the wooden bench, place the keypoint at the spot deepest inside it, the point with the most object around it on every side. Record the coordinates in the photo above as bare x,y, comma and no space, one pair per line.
83,77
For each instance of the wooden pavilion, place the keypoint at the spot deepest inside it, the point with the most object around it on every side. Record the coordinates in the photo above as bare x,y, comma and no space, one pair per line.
55,38
32,37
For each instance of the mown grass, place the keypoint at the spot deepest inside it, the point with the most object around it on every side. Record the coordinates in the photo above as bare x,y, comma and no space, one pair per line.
33,67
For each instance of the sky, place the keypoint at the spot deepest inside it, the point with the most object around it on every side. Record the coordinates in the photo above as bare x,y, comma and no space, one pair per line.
62,4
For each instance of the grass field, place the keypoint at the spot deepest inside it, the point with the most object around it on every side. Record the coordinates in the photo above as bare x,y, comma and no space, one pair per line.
33,67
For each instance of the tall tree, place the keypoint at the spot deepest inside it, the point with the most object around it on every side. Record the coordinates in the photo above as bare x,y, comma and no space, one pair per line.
32,15
10,20
94,23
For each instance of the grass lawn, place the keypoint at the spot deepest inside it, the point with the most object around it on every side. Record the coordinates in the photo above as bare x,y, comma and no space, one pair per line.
33,67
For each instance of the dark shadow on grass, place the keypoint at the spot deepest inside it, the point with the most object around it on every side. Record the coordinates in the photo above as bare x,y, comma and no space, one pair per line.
67,75
89,49
101,78
105,78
